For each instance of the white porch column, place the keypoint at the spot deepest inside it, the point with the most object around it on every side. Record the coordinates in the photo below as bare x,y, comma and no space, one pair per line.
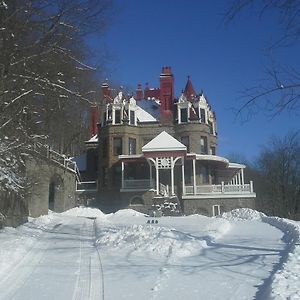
122,174
242,173
194,175
157,176
239,177
172,176
183,179
251,186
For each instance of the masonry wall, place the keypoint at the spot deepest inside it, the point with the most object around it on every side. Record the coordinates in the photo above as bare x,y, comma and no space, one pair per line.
41,172
205,206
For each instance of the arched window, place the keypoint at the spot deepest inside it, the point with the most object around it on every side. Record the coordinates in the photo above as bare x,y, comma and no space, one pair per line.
137,201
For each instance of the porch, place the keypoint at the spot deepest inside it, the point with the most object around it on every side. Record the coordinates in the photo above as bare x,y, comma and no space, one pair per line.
219,189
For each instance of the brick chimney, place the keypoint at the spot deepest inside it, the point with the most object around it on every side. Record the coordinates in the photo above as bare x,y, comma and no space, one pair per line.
166,96
139,92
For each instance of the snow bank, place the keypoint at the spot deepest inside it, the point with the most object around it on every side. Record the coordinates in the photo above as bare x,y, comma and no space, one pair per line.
154,240
84,212
242,214
285,281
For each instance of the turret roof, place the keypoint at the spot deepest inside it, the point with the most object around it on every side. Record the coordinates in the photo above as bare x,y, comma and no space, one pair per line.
189,91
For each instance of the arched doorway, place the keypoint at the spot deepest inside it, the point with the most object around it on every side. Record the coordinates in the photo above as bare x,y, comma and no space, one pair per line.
56,192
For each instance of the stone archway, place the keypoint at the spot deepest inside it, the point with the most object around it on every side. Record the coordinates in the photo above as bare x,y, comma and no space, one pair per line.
56,192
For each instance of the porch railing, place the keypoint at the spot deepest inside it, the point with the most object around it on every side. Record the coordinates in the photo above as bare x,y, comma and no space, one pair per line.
220,189
138,184
86,186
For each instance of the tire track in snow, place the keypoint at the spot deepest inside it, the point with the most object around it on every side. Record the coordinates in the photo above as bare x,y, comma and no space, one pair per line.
99,257
21,272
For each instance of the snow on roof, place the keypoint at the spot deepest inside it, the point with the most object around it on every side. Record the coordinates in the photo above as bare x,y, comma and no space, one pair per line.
93,139
164,142
151,106
144,116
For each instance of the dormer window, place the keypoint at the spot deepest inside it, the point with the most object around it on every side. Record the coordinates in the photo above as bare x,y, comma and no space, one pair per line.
117,116
132,118
202,115
183,115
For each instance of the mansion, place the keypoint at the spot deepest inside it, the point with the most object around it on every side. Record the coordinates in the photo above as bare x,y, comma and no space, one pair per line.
154,152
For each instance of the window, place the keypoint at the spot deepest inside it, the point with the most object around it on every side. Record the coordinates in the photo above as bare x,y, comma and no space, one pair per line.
211,129
183,115
186,142
131,146
203,145
117,116
117,146
213,150
132,118
204,174
202,115
217,210
105,147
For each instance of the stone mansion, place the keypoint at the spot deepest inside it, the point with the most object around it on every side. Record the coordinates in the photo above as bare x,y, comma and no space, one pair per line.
153,151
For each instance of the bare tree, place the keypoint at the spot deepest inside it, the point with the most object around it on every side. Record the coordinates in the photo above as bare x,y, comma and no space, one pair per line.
45,83
281,88
279,166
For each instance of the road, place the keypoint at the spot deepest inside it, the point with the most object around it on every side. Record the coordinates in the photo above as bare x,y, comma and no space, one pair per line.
62,264
191,258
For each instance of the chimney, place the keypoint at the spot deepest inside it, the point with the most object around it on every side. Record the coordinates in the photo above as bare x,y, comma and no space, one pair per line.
105,90
139,92
166,96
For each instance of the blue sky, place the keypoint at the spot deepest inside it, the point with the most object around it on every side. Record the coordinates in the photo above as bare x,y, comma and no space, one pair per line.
191,37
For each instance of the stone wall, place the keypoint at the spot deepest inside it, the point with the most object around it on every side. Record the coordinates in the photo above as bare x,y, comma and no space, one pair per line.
49,181
13,209
205,206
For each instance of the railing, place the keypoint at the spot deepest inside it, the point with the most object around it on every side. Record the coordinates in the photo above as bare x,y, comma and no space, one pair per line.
86,186
138,184
220,189
59,158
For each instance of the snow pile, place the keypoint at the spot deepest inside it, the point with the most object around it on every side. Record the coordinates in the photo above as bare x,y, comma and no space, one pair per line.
242,214
285,281
87,212
285,284
154,240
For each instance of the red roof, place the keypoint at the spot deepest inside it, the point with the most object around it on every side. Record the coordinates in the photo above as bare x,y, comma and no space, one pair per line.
189,91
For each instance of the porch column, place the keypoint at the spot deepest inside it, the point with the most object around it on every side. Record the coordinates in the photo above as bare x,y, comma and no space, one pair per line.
239,177
122,174
242,173
157,176
183,179
172,176
150,174
194,175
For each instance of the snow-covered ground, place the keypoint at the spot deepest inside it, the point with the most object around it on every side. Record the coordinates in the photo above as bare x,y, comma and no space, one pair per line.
85,254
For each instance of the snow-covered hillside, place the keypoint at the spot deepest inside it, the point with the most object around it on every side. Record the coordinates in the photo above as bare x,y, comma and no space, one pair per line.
85,254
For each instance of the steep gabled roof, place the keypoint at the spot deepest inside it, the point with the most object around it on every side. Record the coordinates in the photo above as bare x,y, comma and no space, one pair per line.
189,91
164,142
